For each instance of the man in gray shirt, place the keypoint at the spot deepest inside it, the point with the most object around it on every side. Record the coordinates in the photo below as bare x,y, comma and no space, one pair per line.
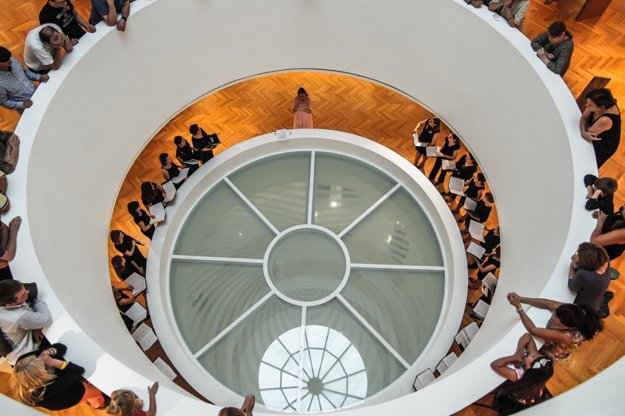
20,322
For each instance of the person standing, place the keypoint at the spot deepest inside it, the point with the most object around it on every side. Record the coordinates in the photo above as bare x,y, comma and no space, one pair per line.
555,48
426,133
108,10
203,143
589,274
302,110
16,87
600,124
63,14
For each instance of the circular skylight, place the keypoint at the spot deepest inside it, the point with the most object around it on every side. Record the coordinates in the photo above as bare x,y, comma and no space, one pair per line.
308,278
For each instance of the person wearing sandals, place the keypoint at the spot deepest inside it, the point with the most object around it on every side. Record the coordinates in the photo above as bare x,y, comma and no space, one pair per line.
126,403
569,326
526,372
246,409
47,380
427,132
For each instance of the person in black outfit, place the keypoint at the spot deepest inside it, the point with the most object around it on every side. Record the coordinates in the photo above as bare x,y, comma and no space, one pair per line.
185,154
427,132
473,190
141,218
466,167
152,194
170,170
600,124
47,380
448,151
127,246
124,268
600,193
63,14
480,213
203,143
610,233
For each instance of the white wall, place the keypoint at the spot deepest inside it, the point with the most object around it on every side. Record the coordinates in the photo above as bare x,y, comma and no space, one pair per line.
117,89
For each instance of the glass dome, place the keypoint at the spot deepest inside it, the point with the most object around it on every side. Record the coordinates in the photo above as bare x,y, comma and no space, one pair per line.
309,278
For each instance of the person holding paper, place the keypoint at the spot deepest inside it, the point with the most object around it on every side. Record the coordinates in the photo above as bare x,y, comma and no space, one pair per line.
170,170
152,194
466,166
141,218
127,246
426,133
186,155
448,151
489,264
569,326
474,190
481,212
124,268
526,372
203,142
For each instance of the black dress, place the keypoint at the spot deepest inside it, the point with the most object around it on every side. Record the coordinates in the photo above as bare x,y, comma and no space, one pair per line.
65,391
144,218
174,171
448,150
207,140
153,196
610,139
185,154
137,256
614,250
426,136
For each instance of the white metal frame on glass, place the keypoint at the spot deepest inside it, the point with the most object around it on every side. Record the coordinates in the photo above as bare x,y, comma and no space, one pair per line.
397,168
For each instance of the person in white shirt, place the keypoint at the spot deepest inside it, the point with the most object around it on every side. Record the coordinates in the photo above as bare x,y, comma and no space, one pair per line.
20,322
45,47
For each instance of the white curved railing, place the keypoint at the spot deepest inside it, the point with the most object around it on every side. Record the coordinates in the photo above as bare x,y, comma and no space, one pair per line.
116,90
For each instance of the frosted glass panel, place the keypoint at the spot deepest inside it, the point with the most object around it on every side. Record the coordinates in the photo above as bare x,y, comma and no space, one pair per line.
344,189
278,187
221,225
403,306
220,291
397,232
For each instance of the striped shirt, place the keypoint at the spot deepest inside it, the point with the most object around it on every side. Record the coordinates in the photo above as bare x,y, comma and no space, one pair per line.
16,86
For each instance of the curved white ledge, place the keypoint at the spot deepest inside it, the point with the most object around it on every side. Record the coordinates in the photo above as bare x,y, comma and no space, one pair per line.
117,89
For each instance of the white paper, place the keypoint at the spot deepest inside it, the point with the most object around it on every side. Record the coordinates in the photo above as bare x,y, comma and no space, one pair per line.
430,151
446,362
158,210
181,176
137,313
469,204
137,282
462,340
282,135
476,229
423,379
476,250
191,162
144,336
417,143
448,164
165,368
456,186
488,284
471,330
170,191
481,309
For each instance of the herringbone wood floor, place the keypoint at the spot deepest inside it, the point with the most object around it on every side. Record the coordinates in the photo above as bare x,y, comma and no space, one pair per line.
263,105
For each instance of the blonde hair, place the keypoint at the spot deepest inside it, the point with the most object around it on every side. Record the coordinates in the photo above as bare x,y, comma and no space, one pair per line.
123,403
29,380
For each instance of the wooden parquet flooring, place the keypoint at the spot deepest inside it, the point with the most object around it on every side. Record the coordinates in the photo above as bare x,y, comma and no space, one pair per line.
263,105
